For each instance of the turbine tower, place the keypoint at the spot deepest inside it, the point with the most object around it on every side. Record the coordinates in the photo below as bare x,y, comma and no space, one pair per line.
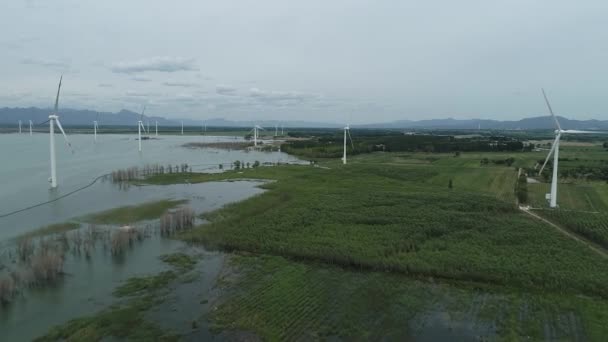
95,128
54,119
555,152
19,126
182,128
347,132
255,130
156,127
140,126
30,127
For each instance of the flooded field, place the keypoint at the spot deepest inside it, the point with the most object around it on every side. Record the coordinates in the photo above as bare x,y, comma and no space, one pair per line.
87,282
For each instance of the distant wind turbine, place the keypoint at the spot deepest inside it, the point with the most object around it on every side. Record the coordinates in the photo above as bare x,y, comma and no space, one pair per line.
140,126
19,126
156,127
555,151
54,119
30,126
347,132
255,130
182,128
95,128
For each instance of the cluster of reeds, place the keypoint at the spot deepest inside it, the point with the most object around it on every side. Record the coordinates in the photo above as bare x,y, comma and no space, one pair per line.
176,220
135,173
36,264
124,237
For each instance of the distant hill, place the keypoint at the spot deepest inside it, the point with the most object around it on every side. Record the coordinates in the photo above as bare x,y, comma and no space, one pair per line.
541,122
10,116
77,117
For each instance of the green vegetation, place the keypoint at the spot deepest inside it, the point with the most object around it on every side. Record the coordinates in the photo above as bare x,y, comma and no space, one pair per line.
332,146
126,319
57,228
395,218
593,226
136,285
586,196
130,214
304,301
180,261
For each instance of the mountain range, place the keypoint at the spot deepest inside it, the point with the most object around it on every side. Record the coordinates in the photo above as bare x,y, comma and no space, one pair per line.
69,117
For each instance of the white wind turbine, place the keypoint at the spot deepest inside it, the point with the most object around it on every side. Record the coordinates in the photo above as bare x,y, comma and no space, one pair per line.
156,127
555,151
19,126
255,130
182,128
54,119
140,127
95,128
347,131
30,126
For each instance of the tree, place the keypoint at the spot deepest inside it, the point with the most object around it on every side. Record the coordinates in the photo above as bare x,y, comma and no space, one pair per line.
237,165
450,185
256,164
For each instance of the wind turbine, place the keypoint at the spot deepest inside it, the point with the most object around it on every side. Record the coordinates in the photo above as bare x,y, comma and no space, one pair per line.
555,151
156,127
255,134
95,128
19,126
54,119
140,126
182,128
30,127
347,131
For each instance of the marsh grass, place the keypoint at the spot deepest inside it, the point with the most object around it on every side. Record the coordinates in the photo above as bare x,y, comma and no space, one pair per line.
127,319
136,213
177,220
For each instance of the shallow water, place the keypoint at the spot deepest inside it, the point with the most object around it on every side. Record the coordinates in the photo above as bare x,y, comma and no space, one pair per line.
89,284
25,171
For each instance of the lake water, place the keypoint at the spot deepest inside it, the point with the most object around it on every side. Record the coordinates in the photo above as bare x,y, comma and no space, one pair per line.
88,284
24,173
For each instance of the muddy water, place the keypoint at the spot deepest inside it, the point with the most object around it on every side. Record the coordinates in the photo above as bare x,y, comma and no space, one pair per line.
88,285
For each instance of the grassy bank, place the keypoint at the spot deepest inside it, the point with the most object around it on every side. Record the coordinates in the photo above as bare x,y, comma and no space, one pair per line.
393,218
130,214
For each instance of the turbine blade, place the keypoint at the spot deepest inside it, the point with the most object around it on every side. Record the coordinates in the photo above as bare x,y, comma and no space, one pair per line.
67,141
549,155
142,127
351,139
141,117
57,98
551,110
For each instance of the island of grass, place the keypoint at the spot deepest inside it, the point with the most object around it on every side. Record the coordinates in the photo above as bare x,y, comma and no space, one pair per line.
135,213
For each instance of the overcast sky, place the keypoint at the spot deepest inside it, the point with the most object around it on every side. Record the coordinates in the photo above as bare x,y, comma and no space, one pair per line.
324,60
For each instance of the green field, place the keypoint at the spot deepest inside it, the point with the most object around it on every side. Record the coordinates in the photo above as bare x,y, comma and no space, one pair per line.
383,248
400,218
282,300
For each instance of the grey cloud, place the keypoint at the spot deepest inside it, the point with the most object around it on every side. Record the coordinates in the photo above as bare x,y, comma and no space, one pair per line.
273,95
46,63
161,64
132,93
140,79
180,84
225,90
105,85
